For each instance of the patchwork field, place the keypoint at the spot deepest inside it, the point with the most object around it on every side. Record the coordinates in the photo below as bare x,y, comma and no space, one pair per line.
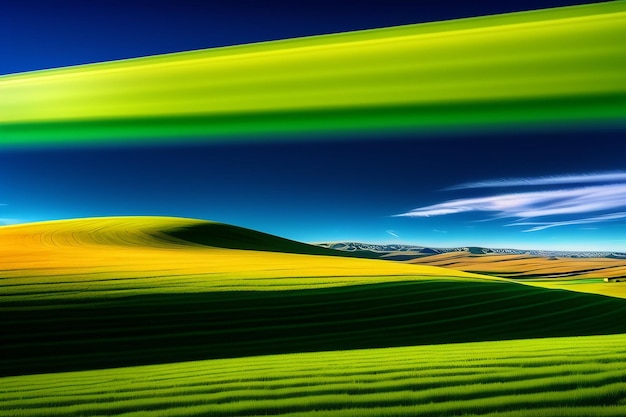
576,274
98,295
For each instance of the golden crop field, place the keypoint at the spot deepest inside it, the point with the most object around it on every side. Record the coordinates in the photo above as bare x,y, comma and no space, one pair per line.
122,256
574,274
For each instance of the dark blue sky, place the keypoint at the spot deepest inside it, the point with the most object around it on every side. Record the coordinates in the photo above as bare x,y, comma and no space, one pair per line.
39,34
329,190
334,189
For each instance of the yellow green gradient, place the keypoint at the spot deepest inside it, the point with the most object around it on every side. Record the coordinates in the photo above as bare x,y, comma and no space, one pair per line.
541,67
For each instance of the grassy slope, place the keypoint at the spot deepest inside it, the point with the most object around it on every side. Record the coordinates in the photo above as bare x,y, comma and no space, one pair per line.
567,377
107,332
150,231
115,292
233,237
106,257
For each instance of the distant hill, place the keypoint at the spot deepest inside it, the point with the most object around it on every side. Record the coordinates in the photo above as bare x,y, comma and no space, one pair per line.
384,250
571,270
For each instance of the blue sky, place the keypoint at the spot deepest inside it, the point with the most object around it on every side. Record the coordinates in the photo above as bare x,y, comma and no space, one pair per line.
559,189
543,190
40,34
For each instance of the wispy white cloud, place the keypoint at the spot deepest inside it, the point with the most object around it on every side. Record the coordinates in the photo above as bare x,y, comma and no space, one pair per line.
440,231
546,225
600,177
528,205
392,233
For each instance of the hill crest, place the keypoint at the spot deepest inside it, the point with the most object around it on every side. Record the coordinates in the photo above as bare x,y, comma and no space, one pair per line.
155,231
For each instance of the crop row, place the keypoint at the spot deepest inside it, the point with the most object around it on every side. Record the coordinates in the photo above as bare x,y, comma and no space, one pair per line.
540,377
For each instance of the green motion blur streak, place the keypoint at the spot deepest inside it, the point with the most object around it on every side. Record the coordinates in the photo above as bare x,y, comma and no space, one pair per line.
542,67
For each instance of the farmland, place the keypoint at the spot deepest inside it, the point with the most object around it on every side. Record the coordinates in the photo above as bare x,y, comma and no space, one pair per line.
459,166
575,274
528,265
152,316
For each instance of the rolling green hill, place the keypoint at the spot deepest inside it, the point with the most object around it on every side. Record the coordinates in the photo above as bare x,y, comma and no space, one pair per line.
561,377
222,235
142,329
99,295
110,292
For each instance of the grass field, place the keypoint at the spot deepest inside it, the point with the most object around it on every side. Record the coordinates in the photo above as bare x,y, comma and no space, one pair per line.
124,291
106,332
560,377
99,295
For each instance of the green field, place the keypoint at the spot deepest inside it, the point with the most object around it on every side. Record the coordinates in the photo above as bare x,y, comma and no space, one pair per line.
107,332
144,316
566,377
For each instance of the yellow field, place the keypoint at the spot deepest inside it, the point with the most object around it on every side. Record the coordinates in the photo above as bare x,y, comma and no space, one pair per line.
596,286
122,256
525,265
576,274
127,255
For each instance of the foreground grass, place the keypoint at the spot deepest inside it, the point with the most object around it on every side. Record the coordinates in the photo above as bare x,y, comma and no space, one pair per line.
584,376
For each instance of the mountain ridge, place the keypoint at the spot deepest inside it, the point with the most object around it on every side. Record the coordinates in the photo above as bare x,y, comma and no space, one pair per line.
386,250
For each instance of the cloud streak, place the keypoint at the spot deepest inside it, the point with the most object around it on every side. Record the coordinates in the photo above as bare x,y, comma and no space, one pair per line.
546,225
600,177
528,205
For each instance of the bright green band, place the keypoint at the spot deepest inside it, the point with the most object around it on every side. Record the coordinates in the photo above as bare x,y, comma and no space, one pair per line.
543,67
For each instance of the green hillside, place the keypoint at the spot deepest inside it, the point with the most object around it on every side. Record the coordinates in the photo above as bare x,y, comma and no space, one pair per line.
562,377
70,334
103,294
222,235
